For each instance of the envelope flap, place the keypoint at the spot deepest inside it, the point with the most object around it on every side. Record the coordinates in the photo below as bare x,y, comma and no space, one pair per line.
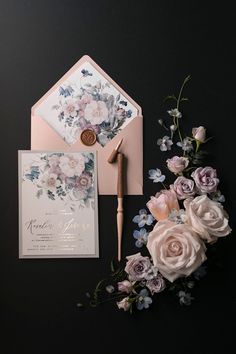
86,98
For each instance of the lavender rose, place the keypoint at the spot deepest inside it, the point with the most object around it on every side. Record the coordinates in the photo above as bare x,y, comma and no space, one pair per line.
176,249
177,164
84,181
137,267
184,188
156,284
207,218
206,179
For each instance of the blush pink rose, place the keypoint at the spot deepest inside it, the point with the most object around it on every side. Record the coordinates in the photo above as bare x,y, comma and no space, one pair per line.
199,134
96,112
207,218
176,249
124,304
177,164
162,204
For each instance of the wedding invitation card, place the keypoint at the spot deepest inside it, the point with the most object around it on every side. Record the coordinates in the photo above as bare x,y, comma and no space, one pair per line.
58,212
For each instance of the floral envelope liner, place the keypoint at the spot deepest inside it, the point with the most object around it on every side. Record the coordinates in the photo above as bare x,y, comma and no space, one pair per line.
65,176
86,100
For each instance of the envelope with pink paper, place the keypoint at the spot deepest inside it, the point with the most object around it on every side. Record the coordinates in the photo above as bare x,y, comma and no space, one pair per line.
86,98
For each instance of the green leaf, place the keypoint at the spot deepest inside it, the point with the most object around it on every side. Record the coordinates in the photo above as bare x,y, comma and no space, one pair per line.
112,266
170,97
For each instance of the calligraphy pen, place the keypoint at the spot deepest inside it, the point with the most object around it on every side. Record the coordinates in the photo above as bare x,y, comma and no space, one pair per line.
119,157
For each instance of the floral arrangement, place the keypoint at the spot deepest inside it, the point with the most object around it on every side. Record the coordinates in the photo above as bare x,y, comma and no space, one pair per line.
68,177
178,227
91,106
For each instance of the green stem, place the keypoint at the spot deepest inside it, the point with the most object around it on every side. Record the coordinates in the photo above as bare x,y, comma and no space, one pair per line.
178,103
181,90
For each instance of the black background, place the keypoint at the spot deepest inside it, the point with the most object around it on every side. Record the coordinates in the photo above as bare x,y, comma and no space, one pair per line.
148,47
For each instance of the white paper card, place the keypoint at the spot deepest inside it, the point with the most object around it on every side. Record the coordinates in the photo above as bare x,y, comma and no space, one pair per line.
58,212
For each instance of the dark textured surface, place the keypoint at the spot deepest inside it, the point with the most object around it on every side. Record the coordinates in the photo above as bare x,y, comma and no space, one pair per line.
148,47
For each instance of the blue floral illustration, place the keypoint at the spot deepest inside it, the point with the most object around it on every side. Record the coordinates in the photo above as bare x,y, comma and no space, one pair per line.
90,106
64,176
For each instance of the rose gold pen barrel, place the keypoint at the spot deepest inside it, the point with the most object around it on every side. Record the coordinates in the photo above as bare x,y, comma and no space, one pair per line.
120,193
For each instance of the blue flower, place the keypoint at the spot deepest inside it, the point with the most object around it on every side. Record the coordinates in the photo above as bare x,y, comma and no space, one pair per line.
186,144
200,273
156,175
86,73
65,92
143,218
185,298
165,143
34,173
175,113
141,237
143,300
129,113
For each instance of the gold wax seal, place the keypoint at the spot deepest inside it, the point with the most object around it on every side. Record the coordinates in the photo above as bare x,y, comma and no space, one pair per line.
88,137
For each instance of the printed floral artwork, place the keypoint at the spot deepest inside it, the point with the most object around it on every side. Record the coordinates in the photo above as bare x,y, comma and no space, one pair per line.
86,100
179,227
67,176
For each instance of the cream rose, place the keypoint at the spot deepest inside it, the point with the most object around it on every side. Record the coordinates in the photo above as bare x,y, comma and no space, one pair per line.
176,250
207,218
96,112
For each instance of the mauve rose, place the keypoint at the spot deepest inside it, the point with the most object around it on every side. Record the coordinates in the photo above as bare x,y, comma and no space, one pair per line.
207,218
206,179
163,203
137,267
125,286
176,249
124,304
199,134
183,187
156,284
177,164
84,181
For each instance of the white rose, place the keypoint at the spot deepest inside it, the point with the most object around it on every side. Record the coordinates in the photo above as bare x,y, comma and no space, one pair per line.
176,249
207,218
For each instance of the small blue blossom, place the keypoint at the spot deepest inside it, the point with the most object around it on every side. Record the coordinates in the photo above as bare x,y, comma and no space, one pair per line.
141,237
217,197
143,300
200,273
34,173
65,91
86,73
185,298
129,113
156,175
175,113
143,218
186,144
165,143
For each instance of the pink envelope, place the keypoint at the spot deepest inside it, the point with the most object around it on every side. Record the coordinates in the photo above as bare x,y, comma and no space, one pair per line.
87,98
